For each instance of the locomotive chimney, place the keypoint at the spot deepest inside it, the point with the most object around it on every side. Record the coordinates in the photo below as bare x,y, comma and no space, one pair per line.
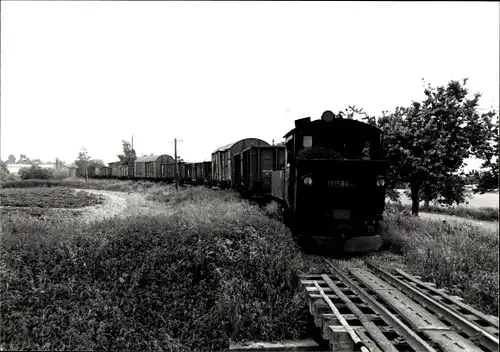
301,122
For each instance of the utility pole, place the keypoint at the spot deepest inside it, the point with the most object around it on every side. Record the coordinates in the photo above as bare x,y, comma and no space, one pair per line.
176,166
177,173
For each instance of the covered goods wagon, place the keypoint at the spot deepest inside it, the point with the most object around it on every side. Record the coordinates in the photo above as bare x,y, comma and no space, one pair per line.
255,170
148,167
222,164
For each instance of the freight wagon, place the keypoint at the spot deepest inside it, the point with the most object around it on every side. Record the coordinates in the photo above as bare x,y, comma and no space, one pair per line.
222,168
168,172
253,169
202,173
148,167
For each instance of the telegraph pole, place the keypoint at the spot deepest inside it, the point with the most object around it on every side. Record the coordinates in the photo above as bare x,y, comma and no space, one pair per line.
177,173
176,166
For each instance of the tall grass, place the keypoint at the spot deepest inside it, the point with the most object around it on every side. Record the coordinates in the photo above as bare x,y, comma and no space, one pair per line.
459,256
215,270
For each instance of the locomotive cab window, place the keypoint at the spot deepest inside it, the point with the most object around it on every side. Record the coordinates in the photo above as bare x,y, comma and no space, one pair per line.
307,141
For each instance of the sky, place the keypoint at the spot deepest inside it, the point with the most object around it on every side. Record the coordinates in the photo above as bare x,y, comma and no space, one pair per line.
90,74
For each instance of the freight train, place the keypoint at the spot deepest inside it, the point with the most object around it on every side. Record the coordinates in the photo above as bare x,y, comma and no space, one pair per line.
328,178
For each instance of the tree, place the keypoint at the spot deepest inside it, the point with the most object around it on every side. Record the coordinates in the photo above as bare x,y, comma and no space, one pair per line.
60,164
488,178
23,159
352,113
128,156
427,143
4,172
95,163
82,162
11,159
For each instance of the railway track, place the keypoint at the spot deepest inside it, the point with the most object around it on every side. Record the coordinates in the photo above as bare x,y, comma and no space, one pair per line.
373,310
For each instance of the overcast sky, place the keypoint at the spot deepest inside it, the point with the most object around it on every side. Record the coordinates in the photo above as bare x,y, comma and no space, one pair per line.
90,74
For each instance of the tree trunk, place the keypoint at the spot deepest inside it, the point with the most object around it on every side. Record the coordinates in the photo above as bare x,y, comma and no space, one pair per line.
426,205
414,186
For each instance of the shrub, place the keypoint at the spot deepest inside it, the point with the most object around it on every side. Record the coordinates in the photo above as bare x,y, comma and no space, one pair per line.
35,172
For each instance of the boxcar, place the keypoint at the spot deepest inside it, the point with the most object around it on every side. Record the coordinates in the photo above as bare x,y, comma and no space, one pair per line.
190,173
222,168
168,172
106,172
148,167
255,169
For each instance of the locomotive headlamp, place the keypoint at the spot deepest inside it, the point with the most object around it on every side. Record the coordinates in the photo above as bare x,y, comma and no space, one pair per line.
308,181
380,182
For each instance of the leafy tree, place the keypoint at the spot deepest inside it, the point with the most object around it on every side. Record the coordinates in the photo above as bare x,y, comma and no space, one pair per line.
82,162
128,156
3,167
11,159
427,143
96,163
23,159
488,179
3,171
60,164
352,113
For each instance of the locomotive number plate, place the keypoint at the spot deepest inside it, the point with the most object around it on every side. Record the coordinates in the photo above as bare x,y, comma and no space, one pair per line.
340,184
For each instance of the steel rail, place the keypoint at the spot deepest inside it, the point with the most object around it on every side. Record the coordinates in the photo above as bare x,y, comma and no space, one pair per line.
474,331
415,341
490,319
370,327
355,338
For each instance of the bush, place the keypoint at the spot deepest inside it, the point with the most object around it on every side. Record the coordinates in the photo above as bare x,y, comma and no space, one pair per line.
35,173
216,269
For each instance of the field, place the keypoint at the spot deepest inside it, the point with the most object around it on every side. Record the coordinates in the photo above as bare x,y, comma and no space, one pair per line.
487,200
182,281
39,197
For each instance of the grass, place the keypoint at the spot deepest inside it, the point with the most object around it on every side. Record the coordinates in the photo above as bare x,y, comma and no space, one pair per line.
459,256
482,213
215,270
40,197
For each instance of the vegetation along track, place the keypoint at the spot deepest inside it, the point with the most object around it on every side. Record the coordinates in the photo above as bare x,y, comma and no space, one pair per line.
374,310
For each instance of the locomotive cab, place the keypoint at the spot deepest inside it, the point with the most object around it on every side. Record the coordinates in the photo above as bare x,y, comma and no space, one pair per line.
333,184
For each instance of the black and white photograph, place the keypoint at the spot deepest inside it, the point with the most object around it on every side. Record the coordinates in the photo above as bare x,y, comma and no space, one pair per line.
243,176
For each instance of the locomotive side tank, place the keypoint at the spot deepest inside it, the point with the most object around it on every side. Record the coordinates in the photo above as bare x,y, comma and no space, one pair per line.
333,184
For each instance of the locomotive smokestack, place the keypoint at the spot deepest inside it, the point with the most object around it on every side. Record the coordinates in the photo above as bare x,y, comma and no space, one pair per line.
301,122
